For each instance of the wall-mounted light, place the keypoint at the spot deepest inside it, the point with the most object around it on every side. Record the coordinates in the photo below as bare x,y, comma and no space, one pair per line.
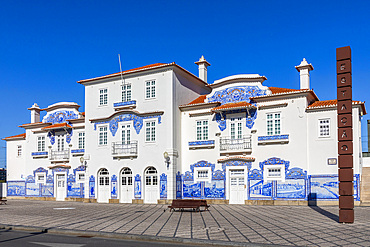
167,159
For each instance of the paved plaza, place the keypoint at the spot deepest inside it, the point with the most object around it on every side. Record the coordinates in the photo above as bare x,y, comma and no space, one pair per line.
278,225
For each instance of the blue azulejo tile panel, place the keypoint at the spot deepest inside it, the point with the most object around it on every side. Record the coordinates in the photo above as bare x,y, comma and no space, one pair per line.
214,189
324,187
47,190
92,186
291,189
32,189
272,138
191,189
126,103
114,187
16,188
75,190
200,143
178,186
260,190
137,187
163,186
77,151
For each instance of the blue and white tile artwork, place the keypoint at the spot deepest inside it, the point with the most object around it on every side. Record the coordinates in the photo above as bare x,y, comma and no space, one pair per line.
137,187
163,186
16,188
214,189
191,189
114,186
32,189
75,190
178,186
47,190
236,94
59,117
324,187
92,186
291,188
258,189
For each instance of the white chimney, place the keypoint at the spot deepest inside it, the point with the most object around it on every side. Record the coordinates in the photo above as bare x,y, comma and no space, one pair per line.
35,113
202,65
304,71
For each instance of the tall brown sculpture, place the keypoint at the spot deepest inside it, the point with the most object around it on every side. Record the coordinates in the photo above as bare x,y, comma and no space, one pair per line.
345,138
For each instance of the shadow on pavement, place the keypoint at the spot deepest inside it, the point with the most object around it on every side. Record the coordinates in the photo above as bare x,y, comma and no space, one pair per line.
312,203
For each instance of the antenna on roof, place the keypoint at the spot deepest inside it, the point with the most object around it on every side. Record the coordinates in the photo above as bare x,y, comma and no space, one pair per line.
122,82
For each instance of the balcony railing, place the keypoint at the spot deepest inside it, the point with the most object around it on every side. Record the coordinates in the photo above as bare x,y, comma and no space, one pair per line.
56,155
240,144
128,148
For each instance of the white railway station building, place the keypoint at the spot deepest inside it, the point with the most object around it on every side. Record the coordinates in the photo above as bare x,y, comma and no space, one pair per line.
158,132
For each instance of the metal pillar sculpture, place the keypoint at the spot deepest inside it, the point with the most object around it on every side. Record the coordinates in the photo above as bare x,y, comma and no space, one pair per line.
345,137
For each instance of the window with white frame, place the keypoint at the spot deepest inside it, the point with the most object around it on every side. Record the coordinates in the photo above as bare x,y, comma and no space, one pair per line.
40,143
19,150
81,140
202,130
273,124
103,96
80,177
150,131
103,135
202,173
150,89
126,92
40,178
274,172
236,128
324,127
126,134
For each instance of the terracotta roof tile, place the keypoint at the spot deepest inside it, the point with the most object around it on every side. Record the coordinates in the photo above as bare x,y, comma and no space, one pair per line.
241,104
198,100
57,126
20,136
278,90
333,103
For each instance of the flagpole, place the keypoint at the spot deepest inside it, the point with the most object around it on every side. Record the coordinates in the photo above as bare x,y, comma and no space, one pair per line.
123,86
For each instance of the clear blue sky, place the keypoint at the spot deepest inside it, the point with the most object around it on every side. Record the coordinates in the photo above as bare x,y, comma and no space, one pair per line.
46,46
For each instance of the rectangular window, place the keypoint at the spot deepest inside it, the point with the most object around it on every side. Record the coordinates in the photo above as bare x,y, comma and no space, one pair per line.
60,146
40,143
273,124
103,96
324,127
81,177
103,135
150,131
236,128
81,140
203,174
126,134
274,172
19,150
40,178
150,89
202,130
126,93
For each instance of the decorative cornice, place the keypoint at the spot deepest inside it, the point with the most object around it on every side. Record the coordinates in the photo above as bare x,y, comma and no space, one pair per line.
144,114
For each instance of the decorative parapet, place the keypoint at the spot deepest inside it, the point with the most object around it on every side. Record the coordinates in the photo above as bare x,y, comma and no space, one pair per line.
39,154
202,144
273,139
127,103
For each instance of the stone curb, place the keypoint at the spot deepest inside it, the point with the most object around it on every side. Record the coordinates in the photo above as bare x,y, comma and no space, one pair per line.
133,237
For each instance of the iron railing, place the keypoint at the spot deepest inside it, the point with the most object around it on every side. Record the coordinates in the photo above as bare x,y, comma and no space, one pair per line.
124,148
59,155
231,144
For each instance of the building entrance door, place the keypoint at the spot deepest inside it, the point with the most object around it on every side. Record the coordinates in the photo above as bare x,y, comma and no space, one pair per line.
151,185
61,187
236,187
103,186
126,186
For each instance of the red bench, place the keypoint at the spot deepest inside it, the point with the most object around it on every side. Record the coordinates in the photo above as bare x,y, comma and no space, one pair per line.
189,203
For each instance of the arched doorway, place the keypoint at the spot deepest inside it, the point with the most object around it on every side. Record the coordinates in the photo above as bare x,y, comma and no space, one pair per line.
126,186
151,185
103,185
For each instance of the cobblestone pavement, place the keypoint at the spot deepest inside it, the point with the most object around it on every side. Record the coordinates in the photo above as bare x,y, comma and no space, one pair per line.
280,225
